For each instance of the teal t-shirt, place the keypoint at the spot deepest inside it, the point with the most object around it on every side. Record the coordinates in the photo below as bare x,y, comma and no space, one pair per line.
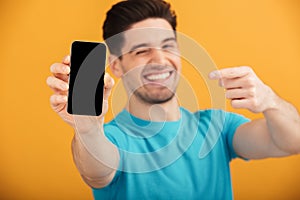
184,159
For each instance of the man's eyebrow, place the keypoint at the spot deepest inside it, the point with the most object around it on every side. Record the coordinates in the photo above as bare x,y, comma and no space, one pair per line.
147,44
169,39
138,46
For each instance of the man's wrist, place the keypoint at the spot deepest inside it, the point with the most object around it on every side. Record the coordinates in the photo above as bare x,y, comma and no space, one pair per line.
274,102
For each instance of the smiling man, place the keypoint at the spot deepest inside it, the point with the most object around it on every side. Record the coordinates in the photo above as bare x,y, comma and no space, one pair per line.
149,65
150,150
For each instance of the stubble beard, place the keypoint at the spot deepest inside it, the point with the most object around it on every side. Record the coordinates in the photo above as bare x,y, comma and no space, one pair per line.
154,99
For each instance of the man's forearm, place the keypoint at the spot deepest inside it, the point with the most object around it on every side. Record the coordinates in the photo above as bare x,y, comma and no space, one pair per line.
283,122
95,157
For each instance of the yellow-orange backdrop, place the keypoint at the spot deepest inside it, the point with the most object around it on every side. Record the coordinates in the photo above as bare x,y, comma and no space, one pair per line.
35,154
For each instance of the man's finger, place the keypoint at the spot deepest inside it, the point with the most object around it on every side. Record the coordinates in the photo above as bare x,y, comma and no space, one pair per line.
240,103
108,85
56,100
57,84
63,77
236,94
229,73
234,83
58,68
66,60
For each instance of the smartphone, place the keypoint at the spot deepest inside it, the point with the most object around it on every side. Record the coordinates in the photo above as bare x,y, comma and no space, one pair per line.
86,80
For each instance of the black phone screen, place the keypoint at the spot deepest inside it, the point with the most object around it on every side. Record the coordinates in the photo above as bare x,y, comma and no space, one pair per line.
86,81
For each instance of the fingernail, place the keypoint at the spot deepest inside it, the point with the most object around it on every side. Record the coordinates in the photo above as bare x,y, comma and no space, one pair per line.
212,75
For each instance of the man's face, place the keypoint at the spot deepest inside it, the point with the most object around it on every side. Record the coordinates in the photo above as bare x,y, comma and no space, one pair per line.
150,61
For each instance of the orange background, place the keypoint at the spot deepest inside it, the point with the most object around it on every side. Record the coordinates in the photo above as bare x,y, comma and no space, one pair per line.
35,155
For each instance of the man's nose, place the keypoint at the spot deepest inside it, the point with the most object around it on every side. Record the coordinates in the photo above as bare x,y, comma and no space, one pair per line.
158,56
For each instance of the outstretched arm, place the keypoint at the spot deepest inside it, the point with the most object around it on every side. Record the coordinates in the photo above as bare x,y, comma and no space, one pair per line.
95,157
278,133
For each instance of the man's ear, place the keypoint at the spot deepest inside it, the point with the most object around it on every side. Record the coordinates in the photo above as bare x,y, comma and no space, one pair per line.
115,66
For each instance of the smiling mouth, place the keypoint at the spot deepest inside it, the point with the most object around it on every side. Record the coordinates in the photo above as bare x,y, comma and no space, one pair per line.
158,77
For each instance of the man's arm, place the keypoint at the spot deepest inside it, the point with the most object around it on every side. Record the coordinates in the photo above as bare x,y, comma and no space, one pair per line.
95,157
96,166
278,133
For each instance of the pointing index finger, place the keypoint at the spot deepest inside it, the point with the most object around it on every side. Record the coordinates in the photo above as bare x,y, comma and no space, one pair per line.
229,73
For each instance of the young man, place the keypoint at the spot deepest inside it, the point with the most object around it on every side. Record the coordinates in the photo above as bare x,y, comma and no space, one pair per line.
151,149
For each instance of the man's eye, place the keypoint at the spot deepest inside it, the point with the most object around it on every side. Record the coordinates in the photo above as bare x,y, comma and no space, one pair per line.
142,51
168,46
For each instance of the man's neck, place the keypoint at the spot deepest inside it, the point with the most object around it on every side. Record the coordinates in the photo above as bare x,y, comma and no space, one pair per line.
168,111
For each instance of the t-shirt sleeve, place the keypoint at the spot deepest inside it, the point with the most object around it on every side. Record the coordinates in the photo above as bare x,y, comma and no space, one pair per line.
232,122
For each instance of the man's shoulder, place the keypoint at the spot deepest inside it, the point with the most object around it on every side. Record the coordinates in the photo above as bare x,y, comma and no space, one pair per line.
208,113
216,112
213,115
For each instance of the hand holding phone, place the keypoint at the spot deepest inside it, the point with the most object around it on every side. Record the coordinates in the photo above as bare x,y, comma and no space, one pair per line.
86,81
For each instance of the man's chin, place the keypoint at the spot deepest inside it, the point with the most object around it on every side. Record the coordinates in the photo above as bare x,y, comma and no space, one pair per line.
155,100
159,101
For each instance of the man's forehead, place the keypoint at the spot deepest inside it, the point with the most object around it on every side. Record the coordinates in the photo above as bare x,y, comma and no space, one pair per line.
151,36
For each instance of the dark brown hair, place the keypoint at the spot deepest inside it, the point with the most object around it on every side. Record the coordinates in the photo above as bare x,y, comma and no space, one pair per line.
125,13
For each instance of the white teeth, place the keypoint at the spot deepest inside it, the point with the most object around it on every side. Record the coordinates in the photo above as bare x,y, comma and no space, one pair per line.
158,76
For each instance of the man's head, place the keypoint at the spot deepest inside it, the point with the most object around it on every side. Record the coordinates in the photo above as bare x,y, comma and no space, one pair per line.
126,13
142,40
